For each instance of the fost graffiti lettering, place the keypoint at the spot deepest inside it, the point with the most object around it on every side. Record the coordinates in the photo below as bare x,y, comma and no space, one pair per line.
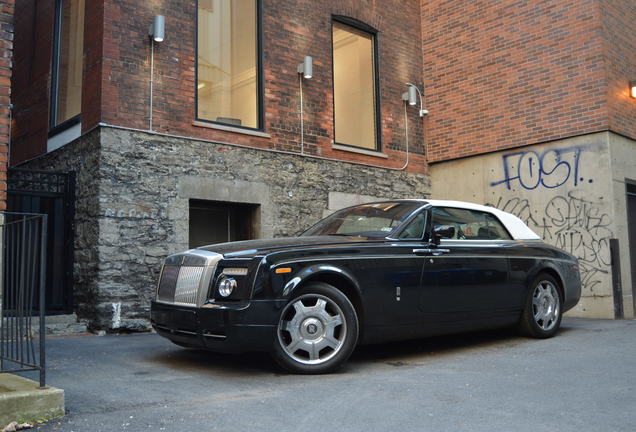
549,169
574,224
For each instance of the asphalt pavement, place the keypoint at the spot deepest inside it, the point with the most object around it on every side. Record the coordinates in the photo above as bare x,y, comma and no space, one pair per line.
584,379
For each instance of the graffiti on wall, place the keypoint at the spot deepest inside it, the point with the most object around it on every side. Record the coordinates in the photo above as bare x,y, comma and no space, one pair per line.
572,223
550,198
549,169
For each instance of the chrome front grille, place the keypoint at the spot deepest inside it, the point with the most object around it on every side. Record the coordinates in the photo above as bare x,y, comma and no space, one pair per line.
183,283
188,285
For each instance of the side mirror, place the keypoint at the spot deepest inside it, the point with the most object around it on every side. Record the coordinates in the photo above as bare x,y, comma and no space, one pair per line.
443,231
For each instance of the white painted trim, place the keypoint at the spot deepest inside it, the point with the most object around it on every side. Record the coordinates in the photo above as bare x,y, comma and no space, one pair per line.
226,128
62,138
359,150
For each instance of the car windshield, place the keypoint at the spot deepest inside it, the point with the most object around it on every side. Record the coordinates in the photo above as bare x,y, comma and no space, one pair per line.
366,220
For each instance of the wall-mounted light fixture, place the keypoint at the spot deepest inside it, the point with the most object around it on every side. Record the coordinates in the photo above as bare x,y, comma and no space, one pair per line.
306,68
157,28
410,96
632,89
306,71
157,33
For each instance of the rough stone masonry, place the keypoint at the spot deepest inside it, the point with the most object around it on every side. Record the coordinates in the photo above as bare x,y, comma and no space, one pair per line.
133,191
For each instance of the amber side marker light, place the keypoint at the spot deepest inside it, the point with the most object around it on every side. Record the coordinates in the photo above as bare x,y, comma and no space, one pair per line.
283,270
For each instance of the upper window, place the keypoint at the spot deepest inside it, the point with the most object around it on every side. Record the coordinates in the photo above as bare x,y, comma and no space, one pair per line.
354,86
227,62
66,101
470,224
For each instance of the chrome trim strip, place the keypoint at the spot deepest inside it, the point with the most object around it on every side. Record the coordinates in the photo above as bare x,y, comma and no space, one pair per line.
321,259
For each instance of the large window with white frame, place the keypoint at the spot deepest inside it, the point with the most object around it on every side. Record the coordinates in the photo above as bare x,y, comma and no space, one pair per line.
66,88
227,84
355,86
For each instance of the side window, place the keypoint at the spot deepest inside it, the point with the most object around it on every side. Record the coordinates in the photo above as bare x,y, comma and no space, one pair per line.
415,229
469,224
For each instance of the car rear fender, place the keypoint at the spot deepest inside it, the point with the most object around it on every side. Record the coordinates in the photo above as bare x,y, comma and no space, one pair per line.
549,267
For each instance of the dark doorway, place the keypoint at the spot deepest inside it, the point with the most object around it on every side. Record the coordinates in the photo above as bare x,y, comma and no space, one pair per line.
218,222
630,187
50,193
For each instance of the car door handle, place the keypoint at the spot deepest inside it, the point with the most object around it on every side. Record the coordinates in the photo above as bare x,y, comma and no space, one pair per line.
430,251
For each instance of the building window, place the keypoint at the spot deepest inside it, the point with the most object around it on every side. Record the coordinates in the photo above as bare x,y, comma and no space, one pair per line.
355,87
227,62
66,100
214,222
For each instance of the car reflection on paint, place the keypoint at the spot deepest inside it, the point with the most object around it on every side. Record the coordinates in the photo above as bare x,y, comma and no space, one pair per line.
370,273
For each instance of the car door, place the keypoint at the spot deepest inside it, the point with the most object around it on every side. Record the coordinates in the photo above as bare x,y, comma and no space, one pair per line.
465,277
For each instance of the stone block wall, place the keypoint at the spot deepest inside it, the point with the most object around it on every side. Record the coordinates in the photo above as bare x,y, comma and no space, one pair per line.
83,157
133,200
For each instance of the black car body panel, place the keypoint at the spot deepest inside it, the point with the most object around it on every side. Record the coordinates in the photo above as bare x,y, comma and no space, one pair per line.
401,289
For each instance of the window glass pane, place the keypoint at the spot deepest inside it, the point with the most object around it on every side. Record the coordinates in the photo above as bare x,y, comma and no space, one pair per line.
368,220
69,73
415,228
354,87
227,62
470,224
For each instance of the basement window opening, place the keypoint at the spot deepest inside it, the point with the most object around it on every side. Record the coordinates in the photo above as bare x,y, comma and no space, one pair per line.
214,222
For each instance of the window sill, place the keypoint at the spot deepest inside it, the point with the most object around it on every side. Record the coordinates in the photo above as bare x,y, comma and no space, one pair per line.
359,150
63,137
225,128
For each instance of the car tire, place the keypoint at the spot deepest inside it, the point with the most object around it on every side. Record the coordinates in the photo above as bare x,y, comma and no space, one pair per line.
543,309
317,330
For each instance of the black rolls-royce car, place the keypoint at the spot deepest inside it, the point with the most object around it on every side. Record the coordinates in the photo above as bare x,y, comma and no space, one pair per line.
370,273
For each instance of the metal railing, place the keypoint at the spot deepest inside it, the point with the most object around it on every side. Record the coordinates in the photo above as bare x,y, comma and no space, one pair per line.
23,237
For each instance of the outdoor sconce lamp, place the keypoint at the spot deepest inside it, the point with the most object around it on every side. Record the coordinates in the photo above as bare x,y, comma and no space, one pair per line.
157,33
632,89
158,28
306,68
410,96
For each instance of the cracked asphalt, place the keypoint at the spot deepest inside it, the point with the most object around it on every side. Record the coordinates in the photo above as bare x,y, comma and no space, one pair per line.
584,379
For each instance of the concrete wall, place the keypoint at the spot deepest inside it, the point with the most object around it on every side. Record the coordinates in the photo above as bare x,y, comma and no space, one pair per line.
563,190
623,166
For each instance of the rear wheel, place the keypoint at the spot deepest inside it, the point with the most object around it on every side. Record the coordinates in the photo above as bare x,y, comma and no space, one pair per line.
542,314
317,330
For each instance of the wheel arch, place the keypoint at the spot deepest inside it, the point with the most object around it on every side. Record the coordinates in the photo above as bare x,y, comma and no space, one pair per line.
335,276
546,268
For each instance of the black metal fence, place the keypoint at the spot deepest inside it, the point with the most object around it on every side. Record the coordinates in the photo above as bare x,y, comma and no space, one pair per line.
22,295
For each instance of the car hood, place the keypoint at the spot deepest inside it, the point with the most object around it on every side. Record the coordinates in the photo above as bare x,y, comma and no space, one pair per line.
249,248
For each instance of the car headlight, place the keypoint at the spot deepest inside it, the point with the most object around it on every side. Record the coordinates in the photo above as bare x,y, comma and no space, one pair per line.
226,286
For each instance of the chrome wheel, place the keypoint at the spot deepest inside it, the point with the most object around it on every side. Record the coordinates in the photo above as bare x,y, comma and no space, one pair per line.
312,329
546,305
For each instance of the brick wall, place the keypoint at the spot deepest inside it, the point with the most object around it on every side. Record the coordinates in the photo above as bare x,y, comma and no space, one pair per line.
508,73
6,51
619,17
117,73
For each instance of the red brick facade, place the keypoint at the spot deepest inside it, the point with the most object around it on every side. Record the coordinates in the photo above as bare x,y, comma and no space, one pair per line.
509,73
619,26
6,51
496,74
117,73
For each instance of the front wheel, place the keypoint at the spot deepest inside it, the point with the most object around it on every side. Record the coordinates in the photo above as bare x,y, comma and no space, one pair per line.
542,314
317,330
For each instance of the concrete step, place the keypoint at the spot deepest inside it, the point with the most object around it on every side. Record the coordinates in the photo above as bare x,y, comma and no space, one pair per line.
60,325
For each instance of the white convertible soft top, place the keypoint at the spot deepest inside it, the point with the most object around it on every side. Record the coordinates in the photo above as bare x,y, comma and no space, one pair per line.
515,226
